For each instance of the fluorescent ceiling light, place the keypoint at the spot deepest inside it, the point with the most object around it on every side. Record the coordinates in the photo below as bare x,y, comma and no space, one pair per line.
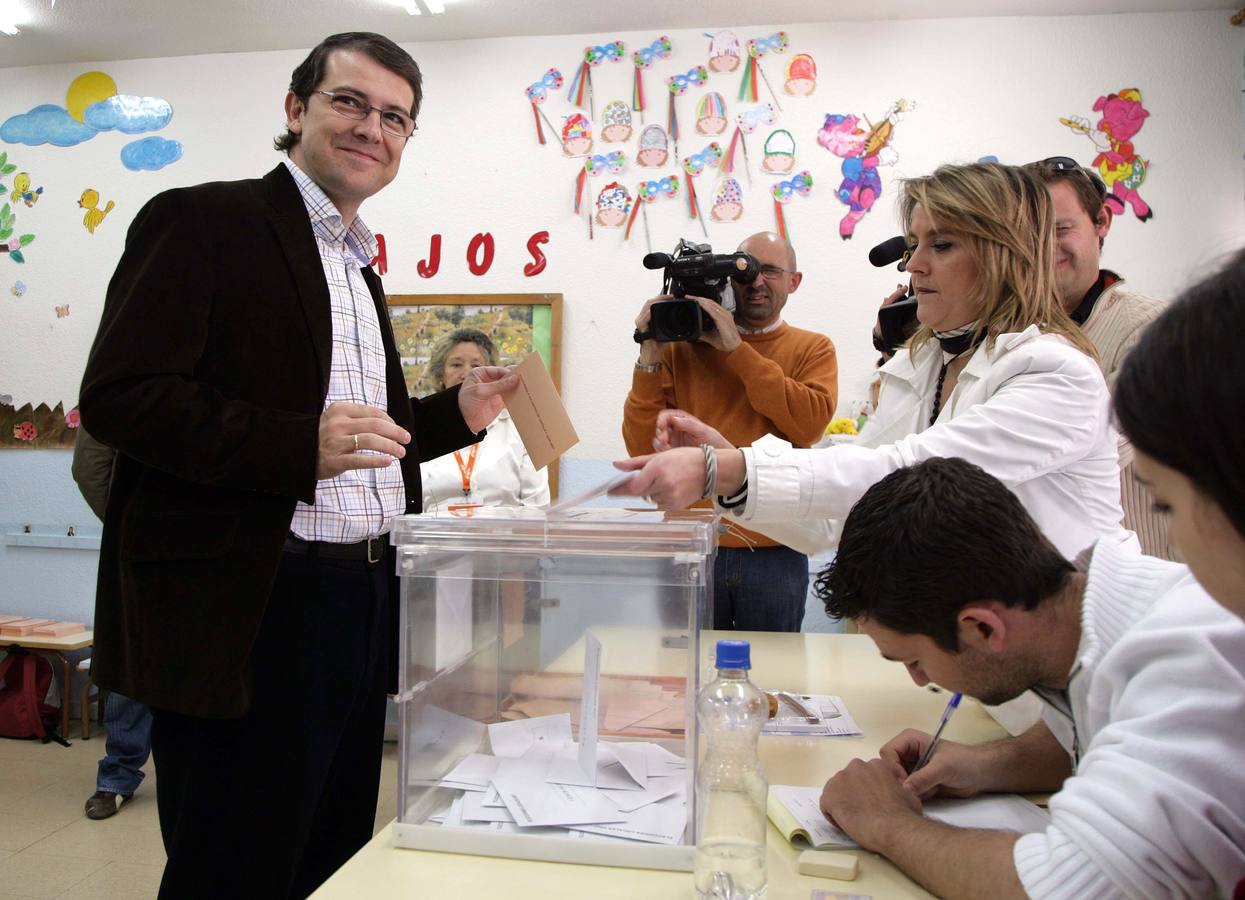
410,7
436,7
9,28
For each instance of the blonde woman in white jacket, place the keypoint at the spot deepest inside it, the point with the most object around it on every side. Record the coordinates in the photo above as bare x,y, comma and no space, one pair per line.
997,374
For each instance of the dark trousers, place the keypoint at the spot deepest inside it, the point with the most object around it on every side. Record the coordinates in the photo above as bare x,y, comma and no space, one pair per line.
271,804
759,589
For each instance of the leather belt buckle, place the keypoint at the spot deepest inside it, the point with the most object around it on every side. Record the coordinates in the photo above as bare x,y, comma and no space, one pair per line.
379,542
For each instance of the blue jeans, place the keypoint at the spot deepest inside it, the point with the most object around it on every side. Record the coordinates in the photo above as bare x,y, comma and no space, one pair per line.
762,589
128,723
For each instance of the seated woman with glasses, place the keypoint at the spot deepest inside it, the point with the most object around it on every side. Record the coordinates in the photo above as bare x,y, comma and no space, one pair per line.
497,470
997,374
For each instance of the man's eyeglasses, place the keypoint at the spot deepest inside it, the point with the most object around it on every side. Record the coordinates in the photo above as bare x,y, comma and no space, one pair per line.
773,273
350,106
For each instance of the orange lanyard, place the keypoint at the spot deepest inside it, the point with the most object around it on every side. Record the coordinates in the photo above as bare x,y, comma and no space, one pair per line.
466,470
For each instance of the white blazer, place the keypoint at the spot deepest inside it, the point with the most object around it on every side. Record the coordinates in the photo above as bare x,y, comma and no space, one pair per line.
503,474
1030,409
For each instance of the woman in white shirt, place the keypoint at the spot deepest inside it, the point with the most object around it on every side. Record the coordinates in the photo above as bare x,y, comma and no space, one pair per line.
997,374
497,470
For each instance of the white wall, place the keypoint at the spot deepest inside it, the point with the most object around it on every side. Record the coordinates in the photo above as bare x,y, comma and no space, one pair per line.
982,86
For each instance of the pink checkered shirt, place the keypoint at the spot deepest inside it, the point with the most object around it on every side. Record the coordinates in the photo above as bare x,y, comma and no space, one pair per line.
359,503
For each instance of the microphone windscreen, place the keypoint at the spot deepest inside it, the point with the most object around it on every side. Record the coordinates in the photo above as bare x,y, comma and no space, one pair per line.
888,251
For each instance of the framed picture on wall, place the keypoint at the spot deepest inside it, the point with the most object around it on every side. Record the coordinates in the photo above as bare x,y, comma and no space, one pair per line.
518,324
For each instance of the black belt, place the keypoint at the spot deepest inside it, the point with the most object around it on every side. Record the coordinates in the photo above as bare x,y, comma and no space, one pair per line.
371,550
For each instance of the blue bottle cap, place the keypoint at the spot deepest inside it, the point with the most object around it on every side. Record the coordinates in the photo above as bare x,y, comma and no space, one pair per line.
734,655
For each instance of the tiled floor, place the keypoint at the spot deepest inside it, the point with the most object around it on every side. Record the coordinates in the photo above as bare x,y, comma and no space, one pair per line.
49,848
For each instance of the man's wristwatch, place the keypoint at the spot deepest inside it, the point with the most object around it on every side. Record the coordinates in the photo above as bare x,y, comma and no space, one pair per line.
641,366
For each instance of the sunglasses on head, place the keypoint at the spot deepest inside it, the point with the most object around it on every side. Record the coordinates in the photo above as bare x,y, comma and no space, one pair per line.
1062,163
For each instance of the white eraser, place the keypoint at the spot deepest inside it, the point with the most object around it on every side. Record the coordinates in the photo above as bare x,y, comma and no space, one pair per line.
824,864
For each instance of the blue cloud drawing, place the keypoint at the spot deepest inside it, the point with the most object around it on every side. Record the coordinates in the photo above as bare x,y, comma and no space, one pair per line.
128,114
46,124
150,154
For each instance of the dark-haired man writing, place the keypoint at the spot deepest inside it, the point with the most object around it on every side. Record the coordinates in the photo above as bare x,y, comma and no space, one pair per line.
1141,673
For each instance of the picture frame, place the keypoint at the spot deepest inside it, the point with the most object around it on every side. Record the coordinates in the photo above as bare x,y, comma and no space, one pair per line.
517,323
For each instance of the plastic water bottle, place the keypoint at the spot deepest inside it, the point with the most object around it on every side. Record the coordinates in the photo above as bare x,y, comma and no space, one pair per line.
730,787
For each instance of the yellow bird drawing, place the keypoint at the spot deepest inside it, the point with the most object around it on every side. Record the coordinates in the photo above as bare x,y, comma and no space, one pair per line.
94,215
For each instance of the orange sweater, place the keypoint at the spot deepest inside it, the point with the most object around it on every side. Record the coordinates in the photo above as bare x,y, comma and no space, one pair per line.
783,382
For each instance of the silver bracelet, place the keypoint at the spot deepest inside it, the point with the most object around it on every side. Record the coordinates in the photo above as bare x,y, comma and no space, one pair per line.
647,367
711,472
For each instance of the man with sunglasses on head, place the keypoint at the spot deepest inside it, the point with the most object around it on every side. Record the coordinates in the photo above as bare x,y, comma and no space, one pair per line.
751,375
1111,314
246,373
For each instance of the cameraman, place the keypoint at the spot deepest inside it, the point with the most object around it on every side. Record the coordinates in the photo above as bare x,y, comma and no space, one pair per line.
752,374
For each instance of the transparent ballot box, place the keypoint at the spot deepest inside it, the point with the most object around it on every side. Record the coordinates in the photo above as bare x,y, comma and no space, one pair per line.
549,671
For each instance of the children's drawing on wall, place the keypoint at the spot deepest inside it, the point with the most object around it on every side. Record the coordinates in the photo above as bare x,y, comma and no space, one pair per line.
150,154
39,427
536,93
711,114
862,151
93,104
728,201
581,87
644,59
19,289
779,152
723,51
710,157
613,205
654,147
616,122
757,48
22,192
576,136
782,193
94,215
1122,116
62,311
10,241
646,194
801,76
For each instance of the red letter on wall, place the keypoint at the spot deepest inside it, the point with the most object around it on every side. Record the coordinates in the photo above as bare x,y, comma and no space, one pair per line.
476,265
537,265
427,268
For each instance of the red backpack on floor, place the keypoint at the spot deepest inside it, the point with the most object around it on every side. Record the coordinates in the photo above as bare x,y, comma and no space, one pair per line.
24,682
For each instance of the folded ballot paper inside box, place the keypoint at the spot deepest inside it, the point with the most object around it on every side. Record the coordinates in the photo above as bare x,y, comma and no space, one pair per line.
517,738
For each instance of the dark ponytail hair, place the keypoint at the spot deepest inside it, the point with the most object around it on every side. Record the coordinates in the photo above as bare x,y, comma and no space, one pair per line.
1180,397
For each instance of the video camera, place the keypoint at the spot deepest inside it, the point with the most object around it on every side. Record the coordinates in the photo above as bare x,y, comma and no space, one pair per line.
693,270
897,322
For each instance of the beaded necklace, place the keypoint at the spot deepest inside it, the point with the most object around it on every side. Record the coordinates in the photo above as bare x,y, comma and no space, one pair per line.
954,344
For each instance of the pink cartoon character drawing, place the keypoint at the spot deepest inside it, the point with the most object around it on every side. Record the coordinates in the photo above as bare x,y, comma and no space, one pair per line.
1117,161
862,152
577,136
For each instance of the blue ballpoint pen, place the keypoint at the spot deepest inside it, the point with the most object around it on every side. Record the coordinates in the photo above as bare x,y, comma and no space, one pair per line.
946,717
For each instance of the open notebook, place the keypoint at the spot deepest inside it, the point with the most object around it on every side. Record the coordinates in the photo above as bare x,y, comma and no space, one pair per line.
796,812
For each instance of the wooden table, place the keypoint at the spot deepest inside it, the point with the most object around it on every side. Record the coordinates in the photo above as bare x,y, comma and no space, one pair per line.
879,695
56,646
